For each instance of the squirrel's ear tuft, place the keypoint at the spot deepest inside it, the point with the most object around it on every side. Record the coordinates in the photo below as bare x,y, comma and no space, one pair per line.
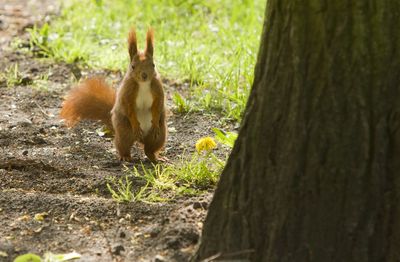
149,42
132,43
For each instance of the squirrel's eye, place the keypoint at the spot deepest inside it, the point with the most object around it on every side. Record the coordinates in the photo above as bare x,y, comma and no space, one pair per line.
133,67
154,65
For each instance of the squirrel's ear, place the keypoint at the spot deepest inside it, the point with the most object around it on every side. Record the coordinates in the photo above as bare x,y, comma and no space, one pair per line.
149,41
132,43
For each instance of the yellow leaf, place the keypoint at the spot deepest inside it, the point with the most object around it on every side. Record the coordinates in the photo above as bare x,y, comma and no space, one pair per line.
40,216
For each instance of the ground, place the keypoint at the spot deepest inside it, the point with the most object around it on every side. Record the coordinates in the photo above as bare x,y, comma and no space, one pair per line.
45,167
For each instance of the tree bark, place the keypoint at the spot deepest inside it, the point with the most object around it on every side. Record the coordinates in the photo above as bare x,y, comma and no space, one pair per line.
315,172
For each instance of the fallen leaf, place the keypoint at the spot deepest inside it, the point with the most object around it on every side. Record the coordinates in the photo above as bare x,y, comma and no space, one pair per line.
40,216
38,230
24,218
61,257
86,230
28,257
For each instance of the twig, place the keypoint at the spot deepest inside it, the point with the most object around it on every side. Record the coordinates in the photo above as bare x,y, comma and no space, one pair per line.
211,258
218,255
42,110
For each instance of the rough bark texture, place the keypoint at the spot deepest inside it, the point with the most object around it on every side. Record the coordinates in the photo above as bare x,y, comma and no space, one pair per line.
315,172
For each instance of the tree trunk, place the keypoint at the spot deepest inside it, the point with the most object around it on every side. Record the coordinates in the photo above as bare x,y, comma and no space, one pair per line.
315,172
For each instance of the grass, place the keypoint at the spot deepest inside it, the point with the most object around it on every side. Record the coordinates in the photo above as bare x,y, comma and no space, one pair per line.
211,45
41,82
121,189
190,175
48,257
11,76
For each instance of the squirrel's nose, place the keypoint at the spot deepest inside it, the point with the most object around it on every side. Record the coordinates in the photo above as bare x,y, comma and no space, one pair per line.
144,76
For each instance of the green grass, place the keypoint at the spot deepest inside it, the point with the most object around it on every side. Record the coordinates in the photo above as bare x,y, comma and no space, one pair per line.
48,257
212,44
121,189
11,76
191,174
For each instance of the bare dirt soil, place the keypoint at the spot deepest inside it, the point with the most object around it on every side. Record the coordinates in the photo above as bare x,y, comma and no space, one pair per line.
45,167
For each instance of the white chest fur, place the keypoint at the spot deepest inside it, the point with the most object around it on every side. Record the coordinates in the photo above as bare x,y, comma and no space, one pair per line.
144,100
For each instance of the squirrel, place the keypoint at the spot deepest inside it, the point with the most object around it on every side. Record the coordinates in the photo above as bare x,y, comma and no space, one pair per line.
135,111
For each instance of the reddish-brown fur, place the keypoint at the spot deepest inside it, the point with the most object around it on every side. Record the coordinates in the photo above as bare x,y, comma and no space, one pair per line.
93,99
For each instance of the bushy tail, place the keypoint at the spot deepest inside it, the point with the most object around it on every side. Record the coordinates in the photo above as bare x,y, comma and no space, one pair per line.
92,99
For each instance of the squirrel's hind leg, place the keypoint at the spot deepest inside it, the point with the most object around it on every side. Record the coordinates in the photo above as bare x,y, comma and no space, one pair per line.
154,142
124,137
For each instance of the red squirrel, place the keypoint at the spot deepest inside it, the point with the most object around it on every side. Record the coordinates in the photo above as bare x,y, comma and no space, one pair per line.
135,112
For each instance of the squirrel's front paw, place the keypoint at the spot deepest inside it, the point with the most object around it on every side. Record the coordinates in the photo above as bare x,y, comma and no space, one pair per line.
163,159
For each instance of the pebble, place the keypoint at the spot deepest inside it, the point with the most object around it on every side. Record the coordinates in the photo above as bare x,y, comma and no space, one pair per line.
152,231
202,204
24,123
117,249
159,258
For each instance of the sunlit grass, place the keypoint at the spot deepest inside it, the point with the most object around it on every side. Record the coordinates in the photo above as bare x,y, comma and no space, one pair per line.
190,174
210,44
11,76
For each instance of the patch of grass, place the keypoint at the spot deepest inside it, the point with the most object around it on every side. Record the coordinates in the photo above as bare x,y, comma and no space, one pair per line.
11,76
190,175
226,138
212,45
48,257
121,189
42,82
181,103
20,45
